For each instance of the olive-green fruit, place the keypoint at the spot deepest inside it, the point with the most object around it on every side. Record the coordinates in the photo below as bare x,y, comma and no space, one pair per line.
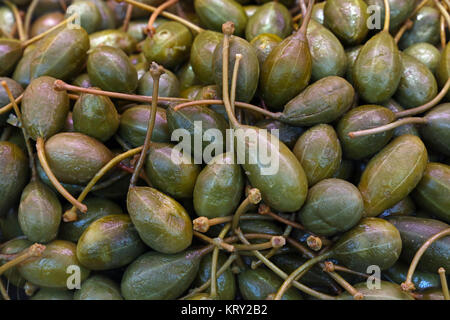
9,225
10,53
171,171
39,212
226,282
74,189
108,20
113,38
44,109
110,69
134,123
260,226
378,68
318,12
49,6
13,174
332,206
50,269
406,128
191,92
187,77
414,232
351,54
202,53
347,19
263,44
328,55
392,174
98,287
169,85
109,242
248,73
95,116
212,92
45,22
97,208
372,241
21,72
53,294
162,223
169,46
426,24
319,152
117,190
435,131
388,291
421,280
136,28
260,283
273,18
14,246
250,10
7,21
417,85
214,13
443,73
400,10
146,278
426,53
218,188
404,207
322,102
433,191
345,170
16,90
362,118
82,81
286,133
75,158
89,15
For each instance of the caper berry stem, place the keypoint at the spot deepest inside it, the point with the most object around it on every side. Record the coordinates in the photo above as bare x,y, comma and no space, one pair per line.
126,21
202,224
416,9
444,12
442,32
234,81
387,127
18,18
254,197
215,257
408,284
302,5
307,17
40,147
150,29
444,284
7,108
217,242
3,291
406,26
275,242
34,251
387,15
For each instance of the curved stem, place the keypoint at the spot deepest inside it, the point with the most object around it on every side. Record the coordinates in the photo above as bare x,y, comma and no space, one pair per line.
71,214
443,11
387,127
406,26
408,285
222,244
7,108
40,146
202,224
215,257
44,34
303,6
3,291
234,81
305,22
387,15
34,251
126,21
254,197
150,29
298,17
275,242
444,284
18,18
442,32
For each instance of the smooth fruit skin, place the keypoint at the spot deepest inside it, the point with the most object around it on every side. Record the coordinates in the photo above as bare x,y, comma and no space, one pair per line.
202,53
263,45
114,38
14,246
10,53
392,174
404,207
443,72
421,280
109,242
436,131
426,53
162,223
433,191
388,291
89,15
169,85
52,294
98,287
426,24
286,133
400,11
405,129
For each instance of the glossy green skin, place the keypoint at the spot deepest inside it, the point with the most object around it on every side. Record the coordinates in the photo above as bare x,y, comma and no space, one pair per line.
414,232
422,280
345,170
109,242
286,71
21,72
212,92
286,133
332,206
44,110
263,45
49,6
362,118
187,76
49,270
319,152
9,225
392,174
97,208
400,11
405,129
214,13
226,282
436,131
108,20
258,284
52,294
16,90
169,85
10,53
388,291
218,188
39,212
433,191
273,18
318,12
7,21
425,28
146,278
75,158
248,73
74,189
82,81
113,38
417,85
169,46
286,189
60,55
443,73
426,53
171,171
134,123
250,10
13,174
162,223
98,287
328,55
90,18
404,207
191,92
14,246
136,27
45,22
372,241
260,226
352,54
322,102
347,19
110,69
202,54
378,69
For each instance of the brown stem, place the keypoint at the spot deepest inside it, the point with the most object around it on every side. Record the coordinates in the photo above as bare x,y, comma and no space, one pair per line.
3,291
387,15
18,18
202,224
442,29
444,284
306,20
406,26
34,251
387,127
126,21
443,12
47,32
150,29
7,108
219,243
254,197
